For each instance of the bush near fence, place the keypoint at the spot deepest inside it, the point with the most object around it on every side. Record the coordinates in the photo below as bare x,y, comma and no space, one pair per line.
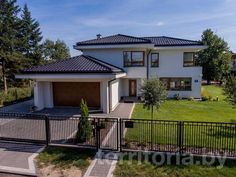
15,94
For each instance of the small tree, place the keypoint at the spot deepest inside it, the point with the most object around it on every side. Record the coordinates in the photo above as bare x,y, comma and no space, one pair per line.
230,89
153,93
84,127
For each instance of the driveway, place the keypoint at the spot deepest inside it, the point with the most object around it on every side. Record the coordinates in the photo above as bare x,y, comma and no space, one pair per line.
18,157
23,107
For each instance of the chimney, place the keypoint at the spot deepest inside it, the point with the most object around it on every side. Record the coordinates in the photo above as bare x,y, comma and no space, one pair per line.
99,36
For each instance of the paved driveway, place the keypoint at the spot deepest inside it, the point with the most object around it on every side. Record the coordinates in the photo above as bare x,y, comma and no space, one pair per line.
18,157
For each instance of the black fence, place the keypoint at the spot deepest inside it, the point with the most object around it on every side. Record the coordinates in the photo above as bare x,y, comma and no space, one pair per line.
202,138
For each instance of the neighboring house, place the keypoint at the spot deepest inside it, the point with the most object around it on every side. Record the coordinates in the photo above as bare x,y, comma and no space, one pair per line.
114,67
234,61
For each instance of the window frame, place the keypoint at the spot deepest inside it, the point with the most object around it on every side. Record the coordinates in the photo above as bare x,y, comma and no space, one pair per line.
169,79
131,55
194,59
158,60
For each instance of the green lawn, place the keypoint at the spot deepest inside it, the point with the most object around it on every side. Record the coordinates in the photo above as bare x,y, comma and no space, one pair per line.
65,158
134,169
212,111
216,137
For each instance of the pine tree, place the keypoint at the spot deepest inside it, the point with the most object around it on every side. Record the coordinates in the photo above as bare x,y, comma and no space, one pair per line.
31,36
9,41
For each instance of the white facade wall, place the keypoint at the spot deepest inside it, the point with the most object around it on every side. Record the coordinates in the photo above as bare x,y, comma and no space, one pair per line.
170,65
115,57
114,94
43,95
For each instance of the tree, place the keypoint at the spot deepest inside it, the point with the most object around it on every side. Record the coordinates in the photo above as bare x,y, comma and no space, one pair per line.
84,127
230,89
31,36
9,40
153,93
215,60
53,51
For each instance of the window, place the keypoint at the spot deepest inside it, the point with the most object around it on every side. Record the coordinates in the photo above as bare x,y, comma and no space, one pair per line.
133,59
189,59
155,60
178,84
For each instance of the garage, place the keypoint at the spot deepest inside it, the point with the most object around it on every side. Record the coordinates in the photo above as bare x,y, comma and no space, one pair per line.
71,93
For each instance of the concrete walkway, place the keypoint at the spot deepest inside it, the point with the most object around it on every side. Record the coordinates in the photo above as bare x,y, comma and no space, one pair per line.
105,162
18,157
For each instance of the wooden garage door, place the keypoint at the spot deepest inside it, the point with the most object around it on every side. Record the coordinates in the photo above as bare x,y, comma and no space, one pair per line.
71,93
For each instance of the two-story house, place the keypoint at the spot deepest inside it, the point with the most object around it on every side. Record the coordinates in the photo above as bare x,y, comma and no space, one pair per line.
114,67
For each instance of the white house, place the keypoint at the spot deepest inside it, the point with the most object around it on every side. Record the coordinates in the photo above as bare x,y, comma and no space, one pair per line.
114,67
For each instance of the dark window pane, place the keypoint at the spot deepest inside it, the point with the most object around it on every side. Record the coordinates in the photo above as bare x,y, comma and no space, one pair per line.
155,60
137,59
127,58
133,58
177,84
189,59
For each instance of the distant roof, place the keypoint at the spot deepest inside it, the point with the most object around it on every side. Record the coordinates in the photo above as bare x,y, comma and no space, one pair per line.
78,64
125,39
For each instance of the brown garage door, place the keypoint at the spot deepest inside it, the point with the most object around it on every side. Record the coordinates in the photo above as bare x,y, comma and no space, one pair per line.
71,93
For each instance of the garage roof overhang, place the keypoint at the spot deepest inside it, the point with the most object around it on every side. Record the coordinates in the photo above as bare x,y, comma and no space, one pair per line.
72,76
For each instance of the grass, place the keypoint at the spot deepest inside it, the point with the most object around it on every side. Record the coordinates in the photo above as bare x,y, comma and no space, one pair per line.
184,110
211,111
65,157
134,169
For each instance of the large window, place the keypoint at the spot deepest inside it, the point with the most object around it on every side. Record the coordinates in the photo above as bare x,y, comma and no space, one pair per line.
179,84
189,59
133,58
155,60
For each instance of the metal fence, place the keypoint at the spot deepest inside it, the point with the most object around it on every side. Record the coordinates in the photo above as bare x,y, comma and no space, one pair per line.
203,138
117,134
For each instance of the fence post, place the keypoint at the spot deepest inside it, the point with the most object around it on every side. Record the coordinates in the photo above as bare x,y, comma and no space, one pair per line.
47,127
97,127
180,136
121,122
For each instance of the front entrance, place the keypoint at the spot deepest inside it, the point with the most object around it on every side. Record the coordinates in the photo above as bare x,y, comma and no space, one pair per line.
133,88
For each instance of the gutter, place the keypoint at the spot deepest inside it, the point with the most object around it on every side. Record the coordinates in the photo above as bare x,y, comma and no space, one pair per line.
148,63
109,93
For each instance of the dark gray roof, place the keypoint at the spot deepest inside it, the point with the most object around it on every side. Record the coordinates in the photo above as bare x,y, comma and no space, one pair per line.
124,39
114,39
170,41
78,64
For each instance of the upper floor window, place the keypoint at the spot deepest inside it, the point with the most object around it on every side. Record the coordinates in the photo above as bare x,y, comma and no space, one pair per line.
133,58
190,59
155,60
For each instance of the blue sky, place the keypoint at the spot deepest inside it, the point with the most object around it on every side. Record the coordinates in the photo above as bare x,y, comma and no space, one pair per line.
76,20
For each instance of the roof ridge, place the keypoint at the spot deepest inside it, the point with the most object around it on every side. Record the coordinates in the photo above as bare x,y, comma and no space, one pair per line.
134,37
100,62
171,38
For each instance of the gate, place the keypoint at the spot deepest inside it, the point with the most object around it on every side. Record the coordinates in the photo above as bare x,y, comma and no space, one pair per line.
22,127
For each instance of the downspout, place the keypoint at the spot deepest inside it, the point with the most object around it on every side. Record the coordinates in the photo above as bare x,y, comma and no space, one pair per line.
148,63
109,93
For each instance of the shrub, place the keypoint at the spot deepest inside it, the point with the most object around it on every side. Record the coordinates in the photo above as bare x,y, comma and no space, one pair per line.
190,98
177,97
210,98
84,127
204,98
15,94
